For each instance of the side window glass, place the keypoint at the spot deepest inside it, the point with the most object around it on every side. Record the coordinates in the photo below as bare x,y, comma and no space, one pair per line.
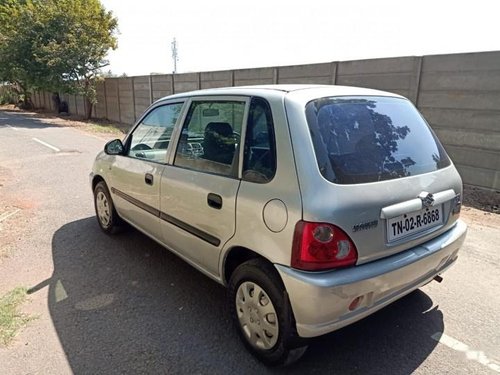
210,137
259,163
151,137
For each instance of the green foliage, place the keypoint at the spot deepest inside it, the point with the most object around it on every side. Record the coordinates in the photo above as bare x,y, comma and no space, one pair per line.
56,45
8,95
11,320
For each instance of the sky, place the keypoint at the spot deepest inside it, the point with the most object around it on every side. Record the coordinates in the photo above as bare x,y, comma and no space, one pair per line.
224,34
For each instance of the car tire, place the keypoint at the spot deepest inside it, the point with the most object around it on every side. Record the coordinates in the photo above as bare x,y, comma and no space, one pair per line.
106,215
264,320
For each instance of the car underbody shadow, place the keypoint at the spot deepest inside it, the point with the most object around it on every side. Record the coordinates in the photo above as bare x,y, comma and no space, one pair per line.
123,304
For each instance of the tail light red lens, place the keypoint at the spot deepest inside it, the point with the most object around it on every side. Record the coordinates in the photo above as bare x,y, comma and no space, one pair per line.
321,246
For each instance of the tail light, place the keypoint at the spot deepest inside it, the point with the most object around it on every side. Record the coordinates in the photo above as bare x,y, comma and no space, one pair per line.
321,246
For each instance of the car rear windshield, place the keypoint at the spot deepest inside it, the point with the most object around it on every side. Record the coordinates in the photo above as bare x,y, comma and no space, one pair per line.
368,139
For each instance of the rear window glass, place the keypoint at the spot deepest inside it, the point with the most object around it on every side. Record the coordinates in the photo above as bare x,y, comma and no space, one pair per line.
368,139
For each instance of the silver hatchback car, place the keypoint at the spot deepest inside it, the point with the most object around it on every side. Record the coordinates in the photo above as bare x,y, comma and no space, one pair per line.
315,205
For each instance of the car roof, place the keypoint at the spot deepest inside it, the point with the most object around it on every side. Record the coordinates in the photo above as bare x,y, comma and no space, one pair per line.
299,90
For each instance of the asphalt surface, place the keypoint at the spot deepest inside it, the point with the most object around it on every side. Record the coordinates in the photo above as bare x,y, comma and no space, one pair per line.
123,304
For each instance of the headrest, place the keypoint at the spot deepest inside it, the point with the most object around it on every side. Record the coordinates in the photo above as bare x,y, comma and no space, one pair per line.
222,128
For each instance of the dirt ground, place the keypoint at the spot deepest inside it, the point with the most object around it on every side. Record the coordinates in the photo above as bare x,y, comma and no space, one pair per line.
23,209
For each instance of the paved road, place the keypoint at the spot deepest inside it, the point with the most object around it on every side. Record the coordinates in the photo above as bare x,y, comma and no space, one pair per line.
123,304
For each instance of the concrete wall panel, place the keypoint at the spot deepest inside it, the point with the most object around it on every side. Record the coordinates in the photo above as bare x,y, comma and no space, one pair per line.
459,81
469,138
393,65
142,101
314,71
142,93
383,81
406,93
480,177
462,62
100,106
34,97
48,101
474,157
112,99
463,118
80,102
310,80
260,76
214,84
141,83
216,79
126,92
463,100
186,82
162,86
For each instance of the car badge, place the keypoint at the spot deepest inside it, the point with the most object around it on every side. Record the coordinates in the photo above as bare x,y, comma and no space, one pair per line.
427,199
365,226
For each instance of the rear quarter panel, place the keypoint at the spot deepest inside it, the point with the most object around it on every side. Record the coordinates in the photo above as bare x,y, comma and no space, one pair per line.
251,230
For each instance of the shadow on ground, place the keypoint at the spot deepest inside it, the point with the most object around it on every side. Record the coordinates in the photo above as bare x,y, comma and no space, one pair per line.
123,304
35,120
20,119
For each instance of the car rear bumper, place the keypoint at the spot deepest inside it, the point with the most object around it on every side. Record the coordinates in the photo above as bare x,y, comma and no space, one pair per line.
320,301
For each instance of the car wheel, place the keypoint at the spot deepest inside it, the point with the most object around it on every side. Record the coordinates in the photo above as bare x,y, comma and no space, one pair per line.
108,219
262,314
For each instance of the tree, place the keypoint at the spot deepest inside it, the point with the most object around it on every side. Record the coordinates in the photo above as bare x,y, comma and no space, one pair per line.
16,63
56,45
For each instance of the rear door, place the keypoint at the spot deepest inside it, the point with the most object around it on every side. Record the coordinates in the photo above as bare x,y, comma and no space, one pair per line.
199,188
136,176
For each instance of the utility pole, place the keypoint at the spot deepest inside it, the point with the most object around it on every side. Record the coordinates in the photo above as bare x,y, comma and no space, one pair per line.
175,55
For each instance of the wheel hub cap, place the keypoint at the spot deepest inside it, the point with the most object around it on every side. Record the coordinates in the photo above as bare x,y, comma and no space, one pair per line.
103,210
257,316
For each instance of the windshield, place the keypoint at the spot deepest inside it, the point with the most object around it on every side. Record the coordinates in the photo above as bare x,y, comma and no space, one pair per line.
367,139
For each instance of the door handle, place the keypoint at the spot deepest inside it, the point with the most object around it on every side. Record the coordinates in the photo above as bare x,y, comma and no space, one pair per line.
148,178
214,201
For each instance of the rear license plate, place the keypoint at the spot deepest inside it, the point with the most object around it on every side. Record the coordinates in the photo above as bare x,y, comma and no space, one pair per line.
413,222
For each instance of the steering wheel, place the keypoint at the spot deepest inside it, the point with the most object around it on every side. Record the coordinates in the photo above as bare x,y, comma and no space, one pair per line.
140,147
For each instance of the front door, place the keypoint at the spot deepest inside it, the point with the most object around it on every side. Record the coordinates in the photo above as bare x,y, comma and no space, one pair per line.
198,191
136,176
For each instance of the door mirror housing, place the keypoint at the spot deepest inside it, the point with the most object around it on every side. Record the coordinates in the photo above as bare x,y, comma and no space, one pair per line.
114,147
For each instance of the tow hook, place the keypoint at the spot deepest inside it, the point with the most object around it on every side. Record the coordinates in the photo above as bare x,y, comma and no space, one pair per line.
438,278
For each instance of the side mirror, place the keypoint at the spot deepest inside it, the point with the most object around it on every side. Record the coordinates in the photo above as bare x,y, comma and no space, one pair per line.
114,147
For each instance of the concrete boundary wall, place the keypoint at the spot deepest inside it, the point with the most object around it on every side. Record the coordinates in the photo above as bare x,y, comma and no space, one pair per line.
459,94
